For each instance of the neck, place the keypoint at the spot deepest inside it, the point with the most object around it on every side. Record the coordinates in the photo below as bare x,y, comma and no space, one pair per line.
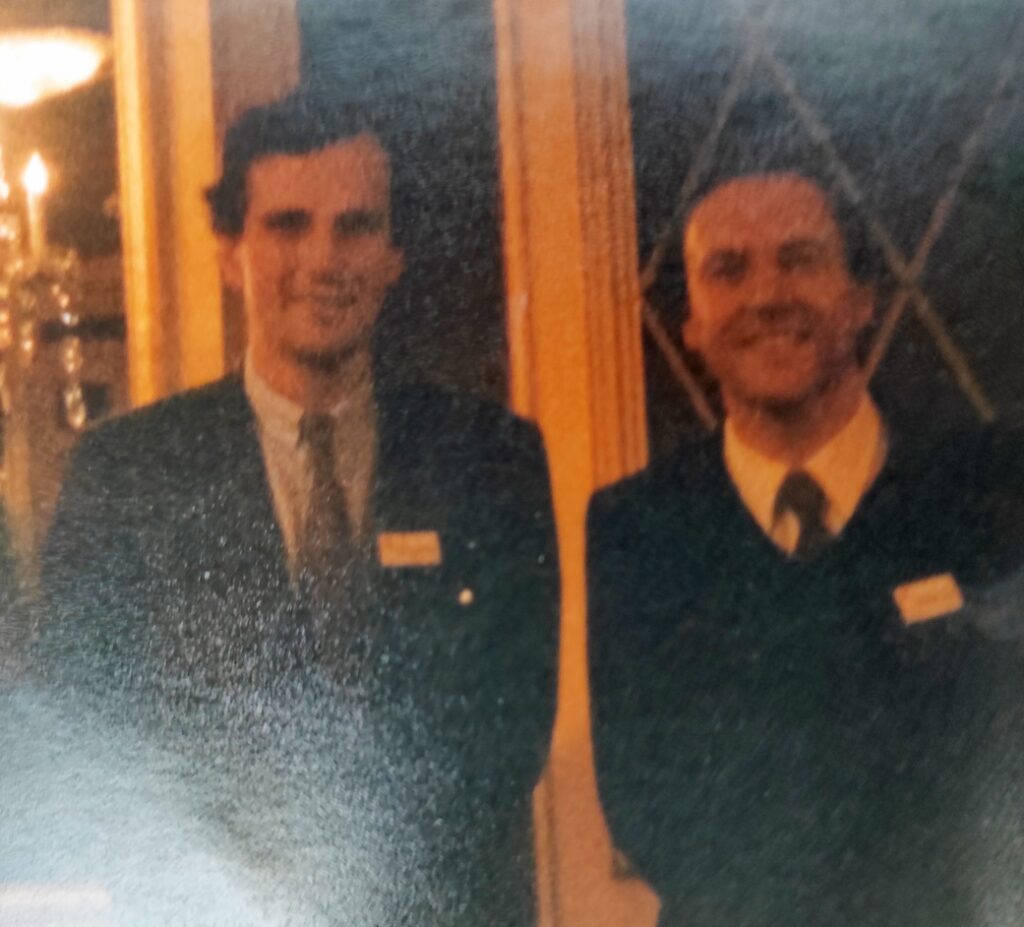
793,432
316,384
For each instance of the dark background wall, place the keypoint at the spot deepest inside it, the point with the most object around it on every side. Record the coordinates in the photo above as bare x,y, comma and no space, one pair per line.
900,85
429,66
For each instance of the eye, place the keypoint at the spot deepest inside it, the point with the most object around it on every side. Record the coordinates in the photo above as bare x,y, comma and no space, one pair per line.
288,222
359,222
725,266
800,255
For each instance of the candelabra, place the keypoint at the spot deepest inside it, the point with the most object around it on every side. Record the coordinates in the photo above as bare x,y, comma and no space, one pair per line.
40,286
42,294
40,303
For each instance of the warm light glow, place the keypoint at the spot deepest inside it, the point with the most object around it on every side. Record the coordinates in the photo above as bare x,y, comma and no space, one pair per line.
38,64
5,187
36,178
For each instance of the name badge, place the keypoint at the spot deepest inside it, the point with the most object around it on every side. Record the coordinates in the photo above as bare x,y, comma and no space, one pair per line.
409,548
925,599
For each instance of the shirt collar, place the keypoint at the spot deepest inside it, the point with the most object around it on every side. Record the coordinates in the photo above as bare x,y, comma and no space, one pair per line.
280,417
277,415
844,468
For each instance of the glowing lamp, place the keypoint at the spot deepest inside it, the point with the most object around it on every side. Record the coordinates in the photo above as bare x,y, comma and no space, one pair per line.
36,64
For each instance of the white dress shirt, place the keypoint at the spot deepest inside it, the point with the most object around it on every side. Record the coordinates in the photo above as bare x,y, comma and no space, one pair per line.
287,459
844,468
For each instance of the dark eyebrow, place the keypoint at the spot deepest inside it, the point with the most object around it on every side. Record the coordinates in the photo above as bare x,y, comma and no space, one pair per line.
800,252
725,263
288,220
360,221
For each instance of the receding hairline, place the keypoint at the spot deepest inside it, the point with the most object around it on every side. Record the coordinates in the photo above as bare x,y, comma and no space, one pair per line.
746,194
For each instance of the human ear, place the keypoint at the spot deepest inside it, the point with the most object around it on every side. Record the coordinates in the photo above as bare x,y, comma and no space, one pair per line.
693,332
230,262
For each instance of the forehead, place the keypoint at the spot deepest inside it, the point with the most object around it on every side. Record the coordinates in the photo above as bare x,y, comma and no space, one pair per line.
352,174
753,213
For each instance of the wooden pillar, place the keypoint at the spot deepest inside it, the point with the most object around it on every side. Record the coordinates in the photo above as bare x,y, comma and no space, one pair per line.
166,151
576,368
174,95
137,196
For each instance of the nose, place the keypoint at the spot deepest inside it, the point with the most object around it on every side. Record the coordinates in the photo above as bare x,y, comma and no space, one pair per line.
320,253
768,283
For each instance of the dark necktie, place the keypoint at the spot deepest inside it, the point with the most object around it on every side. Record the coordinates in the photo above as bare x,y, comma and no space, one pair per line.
326,537
801,495
334,571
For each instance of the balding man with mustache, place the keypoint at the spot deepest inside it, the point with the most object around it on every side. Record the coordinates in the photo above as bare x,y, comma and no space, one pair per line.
796,703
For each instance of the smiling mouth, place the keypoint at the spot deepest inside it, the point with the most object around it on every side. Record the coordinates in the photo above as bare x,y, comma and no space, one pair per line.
327,302
781,336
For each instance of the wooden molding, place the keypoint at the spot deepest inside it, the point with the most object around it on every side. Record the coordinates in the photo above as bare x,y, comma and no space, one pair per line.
138,202
573,298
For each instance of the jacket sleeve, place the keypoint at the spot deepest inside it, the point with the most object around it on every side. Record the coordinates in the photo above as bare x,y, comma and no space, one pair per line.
92,575
627,711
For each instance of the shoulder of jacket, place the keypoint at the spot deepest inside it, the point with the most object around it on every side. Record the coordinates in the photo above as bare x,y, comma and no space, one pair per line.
689,466
433,414
174,425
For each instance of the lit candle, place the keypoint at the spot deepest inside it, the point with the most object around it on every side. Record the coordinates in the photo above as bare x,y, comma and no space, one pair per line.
36,180
5,187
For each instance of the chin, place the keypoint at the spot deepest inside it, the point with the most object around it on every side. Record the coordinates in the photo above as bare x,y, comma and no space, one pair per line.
326,350
775,395
773,387
339,341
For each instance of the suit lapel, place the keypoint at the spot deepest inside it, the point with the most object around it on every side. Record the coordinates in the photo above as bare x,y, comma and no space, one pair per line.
240,490
404,496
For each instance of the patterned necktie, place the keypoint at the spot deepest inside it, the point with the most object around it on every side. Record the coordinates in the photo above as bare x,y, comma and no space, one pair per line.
326,536
801,495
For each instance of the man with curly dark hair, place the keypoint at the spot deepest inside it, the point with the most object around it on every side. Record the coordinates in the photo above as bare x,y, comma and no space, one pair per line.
354,590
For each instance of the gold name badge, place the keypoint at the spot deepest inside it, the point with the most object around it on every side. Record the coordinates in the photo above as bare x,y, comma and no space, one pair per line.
409,548
925,599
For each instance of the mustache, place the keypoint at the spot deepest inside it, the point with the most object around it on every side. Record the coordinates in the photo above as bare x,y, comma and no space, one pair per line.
751,323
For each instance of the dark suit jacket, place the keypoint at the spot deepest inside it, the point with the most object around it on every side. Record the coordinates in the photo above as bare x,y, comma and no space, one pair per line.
426,699
774,744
